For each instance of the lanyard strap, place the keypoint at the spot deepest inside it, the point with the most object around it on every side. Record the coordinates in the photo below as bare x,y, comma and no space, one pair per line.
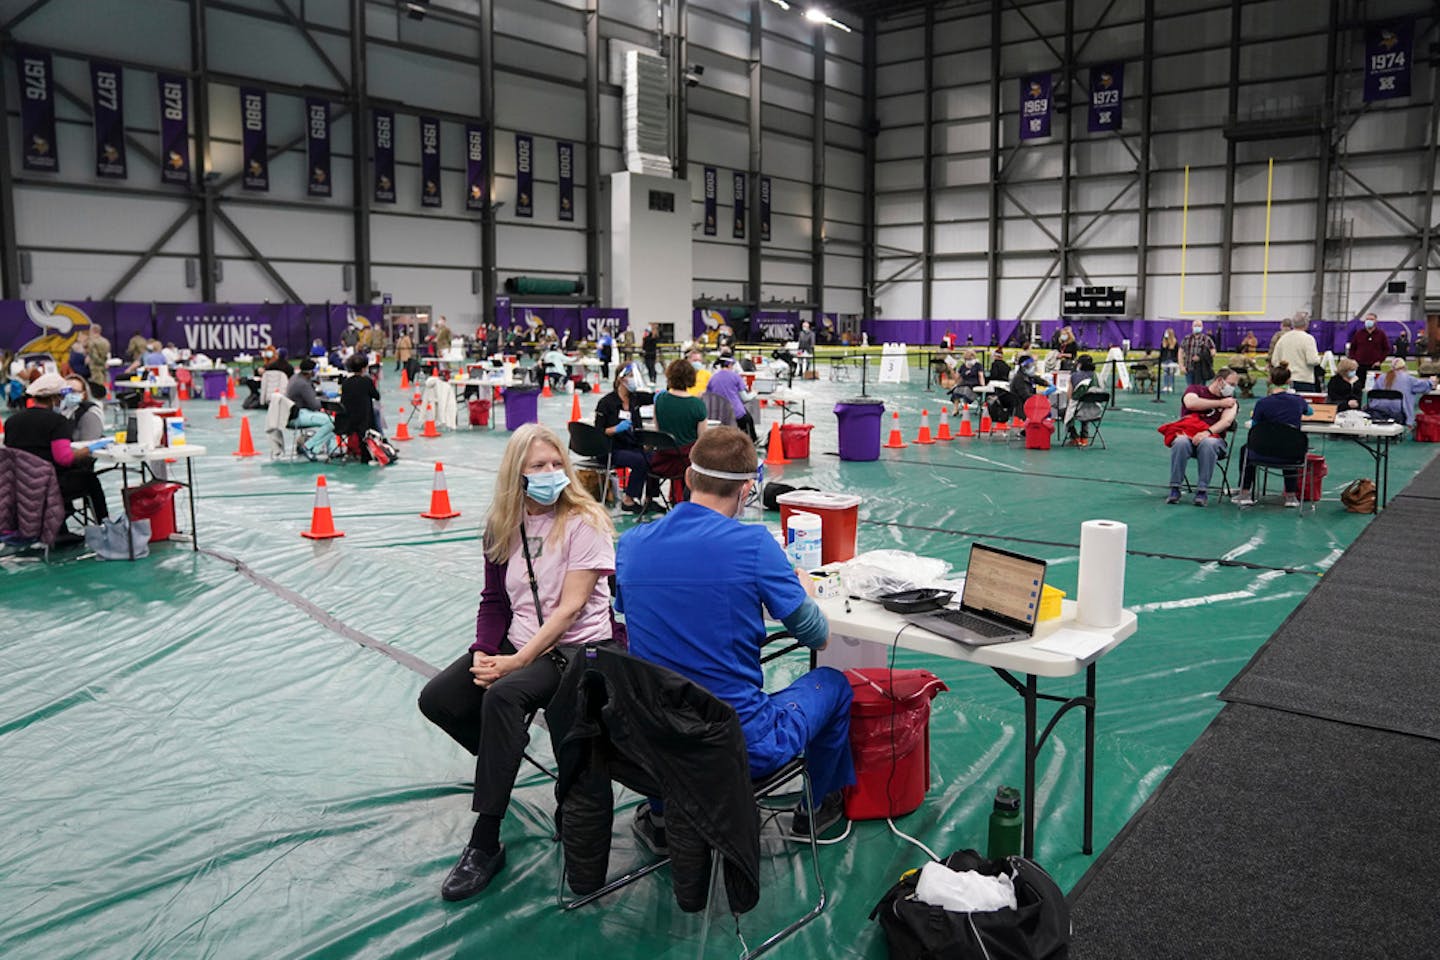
530,571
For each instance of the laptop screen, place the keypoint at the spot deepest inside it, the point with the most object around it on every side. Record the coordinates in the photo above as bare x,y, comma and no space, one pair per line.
1003,584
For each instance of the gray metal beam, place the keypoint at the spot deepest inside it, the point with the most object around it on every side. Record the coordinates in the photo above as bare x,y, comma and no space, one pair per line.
489,278
592,147
1142,239
1067,146
817,180
150,252
19,18
992,264
1427,212
200,163
9,246
927,170
360,171
871,125
1227,236
679,61
313,44
1324,160
756,157
254,254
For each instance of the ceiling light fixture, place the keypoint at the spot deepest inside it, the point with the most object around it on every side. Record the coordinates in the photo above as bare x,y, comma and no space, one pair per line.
816,15
782,4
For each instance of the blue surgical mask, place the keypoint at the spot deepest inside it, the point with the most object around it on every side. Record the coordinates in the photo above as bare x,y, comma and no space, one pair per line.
697,364
632,384
544,488
1198,328
1228,390
69,401
1369,324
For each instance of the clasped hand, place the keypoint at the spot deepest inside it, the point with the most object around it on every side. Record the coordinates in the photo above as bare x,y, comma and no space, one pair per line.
487,668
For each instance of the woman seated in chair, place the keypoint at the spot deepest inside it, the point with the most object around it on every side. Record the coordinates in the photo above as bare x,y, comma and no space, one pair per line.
968,376
549,548
1081,413
726,384
44,431
618,414
1280,407
677,412
1345,389
359,400
1409,387
87,420
1024,382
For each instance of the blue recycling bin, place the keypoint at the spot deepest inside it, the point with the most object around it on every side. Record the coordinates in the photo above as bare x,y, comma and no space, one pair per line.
522,406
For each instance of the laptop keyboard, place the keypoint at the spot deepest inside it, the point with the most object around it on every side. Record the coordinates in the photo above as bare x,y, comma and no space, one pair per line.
979,625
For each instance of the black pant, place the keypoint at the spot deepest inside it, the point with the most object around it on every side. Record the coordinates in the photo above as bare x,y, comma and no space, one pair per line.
747,423
82,482
639,467
650,366
490,722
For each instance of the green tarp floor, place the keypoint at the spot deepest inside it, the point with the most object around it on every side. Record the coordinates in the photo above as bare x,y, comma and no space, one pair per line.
201,756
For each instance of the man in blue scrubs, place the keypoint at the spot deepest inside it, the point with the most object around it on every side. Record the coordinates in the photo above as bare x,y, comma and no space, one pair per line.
692,586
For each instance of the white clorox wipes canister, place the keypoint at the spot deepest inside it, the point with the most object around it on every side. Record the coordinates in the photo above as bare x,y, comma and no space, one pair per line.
802,541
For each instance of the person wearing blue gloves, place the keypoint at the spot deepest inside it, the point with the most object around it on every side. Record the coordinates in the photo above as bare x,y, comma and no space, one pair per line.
706,623
618,414
1023,383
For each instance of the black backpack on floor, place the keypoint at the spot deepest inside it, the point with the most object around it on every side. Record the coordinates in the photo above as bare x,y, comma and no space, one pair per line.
1039,929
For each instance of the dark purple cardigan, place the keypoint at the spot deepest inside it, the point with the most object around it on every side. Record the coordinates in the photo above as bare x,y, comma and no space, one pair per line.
492,620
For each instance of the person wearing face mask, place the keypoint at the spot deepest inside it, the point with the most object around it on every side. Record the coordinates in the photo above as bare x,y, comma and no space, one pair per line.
1345,389
548,550
1197,356
709,628
1214,404
1369,346
697,363
618,414
1284,407
1023,384
46,432
1298,351
87,420
308,413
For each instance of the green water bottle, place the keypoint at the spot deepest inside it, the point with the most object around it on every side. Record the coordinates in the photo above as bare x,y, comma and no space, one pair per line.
1005,825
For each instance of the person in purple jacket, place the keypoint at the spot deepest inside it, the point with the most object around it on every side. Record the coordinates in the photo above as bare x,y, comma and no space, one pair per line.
549,549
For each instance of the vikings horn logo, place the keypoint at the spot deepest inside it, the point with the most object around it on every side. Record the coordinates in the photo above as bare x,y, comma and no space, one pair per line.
1388,40
1034,88
712,319
474,191
255,168
356,321
532,320
174,160
1106,80
318,175
384,183
111,154
40,145
430,187
60,324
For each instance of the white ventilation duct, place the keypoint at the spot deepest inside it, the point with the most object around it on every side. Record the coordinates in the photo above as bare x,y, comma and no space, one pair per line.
647,114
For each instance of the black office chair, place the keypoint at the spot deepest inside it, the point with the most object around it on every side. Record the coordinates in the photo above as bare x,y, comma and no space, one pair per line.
1275,446
587,737
590,443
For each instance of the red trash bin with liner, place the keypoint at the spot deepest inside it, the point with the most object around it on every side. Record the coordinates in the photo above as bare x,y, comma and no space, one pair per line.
1313,476
155,502
479,412
890,741
795,440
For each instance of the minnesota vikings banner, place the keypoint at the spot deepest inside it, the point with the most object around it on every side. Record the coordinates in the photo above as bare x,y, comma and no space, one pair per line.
1107,94
317,146
524,175
565,155
37,109
174,129
476,192
429,162
1387,60
710,176
384,121
739,188
1035,106
764,208
107,99
256,174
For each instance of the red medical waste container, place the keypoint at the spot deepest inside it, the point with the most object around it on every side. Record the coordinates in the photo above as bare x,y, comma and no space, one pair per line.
890,741
154,502
795,440
1313,477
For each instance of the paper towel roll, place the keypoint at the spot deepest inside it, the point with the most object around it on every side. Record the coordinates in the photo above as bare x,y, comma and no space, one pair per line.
1100,594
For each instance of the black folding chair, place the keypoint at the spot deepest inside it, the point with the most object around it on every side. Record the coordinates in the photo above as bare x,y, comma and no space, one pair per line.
590,443
1276,446
1223,462
669,466
1089,406
1394,396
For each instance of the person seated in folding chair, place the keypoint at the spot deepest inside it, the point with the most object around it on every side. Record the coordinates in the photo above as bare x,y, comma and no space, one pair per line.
1213,403
618,414
968,376
44,431
308,414
1079,412
692,586
680,413
1281,407
359,403
548,552
1023,384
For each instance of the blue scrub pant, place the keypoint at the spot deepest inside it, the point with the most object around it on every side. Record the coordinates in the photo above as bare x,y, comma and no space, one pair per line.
811,716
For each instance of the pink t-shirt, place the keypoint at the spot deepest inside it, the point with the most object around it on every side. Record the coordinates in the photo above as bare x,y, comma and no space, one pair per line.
581,547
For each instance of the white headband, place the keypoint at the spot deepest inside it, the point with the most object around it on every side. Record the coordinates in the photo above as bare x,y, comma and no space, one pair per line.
720,474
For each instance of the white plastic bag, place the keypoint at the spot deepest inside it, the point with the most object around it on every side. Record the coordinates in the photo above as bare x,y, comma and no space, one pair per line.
108,539
879,572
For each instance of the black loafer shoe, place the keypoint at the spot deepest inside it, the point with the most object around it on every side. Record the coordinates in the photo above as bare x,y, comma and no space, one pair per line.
472,874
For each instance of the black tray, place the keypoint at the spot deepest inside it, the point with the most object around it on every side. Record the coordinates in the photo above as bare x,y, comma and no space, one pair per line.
915,601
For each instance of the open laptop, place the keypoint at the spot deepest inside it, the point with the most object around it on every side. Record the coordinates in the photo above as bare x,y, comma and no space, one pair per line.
999,603
1321,413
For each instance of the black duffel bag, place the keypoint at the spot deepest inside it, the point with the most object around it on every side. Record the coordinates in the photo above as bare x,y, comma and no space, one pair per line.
1039,929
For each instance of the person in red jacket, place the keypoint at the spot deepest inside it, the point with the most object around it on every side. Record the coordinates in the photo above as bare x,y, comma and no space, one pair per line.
1369,346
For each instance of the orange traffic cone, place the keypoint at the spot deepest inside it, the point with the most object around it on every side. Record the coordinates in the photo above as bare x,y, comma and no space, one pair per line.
924,435
182,391
763,402
965,430
224,413
429,430
402,432
404,379
775,447
545,390
944,433
896,441
322,523
230,387
575,409
440,498
247,445
984,420
1016,423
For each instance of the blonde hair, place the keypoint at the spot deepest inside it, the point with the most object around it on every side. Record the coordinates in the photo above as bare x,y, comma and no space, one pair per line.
1396,366
1169,339
1345,366
507,509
